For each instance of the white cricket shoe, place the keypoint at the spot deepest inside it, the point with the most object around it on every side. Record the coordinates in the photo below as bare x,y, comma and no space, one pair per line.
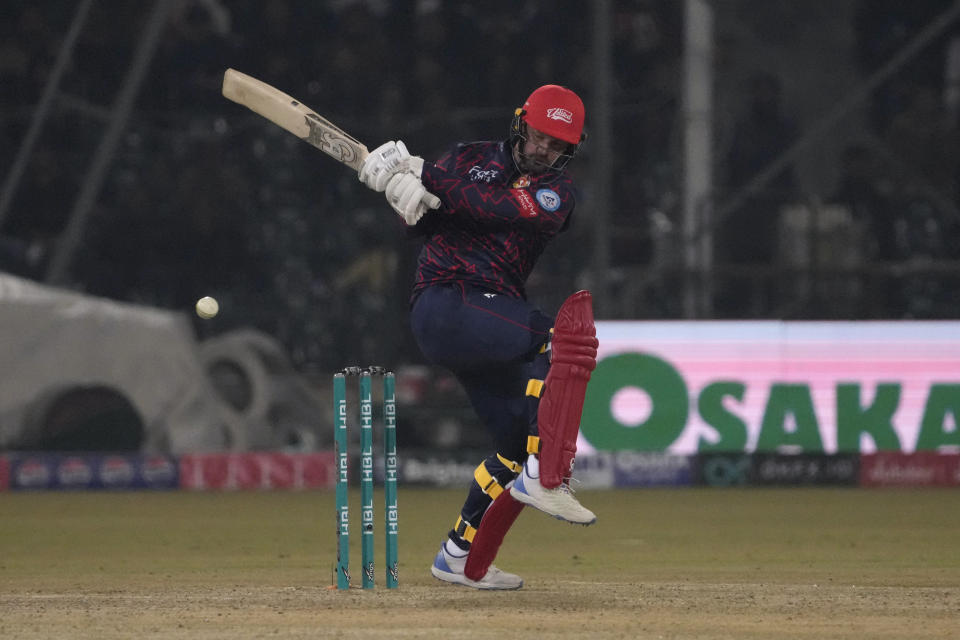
449,568
558,502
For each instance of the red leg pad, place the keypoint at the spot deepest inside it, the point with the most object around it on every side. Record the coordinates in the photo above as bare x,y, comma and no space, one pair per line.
497,520
574,357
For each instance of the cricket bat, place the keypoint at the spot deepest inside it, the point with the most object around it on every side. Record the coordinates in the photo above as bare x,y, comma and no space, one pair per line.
289,113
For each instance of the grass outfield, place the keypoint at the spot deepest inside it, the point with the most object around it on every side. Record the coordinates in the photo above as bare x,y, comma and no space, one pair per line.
664,563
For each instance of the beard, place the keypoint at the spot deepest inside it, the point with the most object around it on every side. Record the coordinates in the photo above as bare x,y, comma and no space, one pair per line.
529,164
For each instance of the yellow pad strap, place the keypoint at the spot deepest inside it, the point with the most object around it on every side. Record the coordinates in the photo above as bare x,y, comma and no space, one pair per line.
464,530
534,387
488,484
533,445
510,464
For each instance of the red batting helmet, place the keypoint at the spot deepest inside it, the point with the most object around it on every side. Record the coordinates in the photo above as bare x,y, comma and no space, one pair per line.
556,111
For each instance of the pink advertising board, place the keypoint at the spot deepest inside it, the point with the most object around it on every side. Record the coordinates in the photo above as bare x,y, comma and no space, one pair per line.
686,387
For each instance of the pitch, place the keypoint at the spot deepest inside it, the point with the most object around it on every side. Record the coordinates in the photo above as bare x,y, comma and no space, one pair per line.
670,563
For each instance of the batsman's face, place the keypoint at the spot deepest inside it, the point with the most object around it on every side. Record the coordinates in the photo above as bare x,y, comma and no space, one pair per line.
538,151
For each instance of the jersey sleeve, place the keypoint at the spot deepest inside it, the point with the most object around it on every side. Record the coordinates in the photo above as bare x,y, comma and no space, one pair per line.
448,160
539,205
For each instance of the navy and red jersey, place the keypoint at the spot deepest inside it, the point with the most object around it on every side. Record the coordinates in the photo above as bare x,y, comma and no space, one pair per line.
494,223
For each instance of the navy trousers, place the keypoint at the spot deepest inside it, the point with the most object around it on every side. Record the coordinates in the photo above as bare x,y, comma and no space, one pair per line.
491,343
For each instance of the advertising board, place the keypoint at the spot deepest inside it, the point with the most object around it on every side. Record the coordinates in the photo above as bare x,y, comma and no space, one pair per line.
780,387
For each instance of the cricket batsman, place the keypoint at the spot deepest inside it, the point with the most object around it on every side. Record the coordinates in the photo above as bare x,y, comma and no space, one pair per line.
524,372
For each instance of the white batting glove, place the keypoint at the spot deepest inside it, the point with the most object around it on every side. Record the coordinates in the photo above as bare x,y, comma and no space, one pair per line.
416,165
380,165
413,164
385,161
409,198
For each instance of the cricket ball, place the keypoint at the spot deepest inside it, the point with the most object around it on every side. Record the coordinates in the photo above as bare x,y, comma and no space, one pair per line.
207,307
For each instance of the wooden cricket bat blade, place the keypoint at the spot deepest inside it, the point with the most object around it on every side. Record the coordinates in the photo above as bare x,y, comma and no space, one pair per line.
294,116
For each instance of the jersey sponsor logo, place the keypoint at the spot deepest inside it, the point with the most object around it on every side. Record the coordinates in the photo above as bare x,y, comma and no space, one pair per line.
548,199
483,175
521,182
561,114
528,208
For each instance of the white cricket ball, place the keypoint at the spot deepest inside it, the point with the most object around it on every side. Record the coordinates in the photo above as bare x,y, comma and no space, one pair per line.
207,307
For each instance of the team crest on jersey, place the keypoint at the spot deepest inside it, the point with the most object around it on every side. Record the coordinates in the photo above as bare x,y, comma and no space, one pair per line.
561,114
521,182
548,199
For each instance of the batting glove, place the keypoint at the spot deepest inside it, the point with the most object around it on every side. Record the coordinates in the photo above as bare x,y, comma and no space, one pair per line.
409,198
386,160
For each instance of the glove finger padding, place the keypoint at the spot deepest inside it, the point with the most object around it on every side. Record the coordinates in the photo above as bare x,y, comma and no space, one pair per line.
429,200
410,206
413,217
405,193
395,186
412,192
